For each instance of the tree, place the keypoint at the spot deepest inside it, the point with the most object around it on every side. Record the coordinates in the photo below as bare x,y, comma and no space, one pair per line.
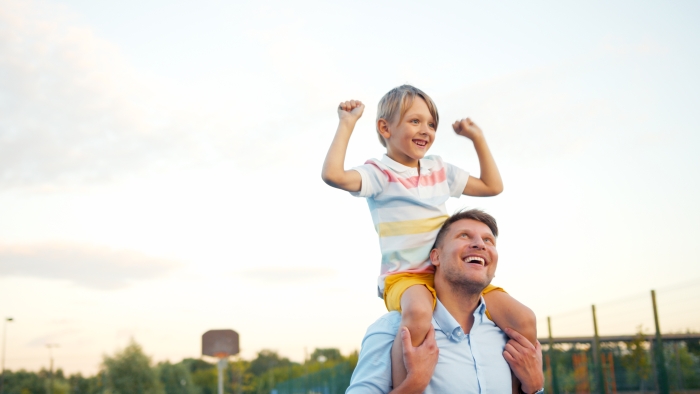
266,360
23,381
130,372
693,345
327,354
637,360
81,385
176,378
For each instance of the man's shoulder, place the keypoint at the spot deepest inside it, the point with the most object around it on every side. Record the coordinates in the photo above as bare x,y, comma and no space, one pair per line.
386,324
373,371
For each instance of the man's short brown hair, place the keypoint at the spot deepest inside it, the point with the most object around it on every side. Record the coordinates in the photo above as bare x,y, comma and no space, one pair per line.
473,214
393,105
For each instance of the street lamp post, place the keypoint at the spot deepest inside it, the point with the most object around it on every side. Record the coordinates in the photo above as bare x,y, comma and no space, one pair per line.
4,337
51,346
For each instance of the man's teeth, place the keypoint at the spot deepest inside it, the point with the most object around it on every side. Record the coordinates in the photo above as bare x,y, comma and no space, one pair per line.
480,260
419,142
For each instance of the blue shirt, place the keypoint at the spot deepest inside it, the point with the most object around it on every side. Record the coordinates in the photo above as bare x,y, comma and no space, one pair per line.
468,363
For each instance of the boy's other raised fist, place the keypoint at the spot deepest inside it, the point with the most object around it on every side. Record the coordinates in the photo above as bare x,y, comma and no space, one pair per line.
467,128
350,110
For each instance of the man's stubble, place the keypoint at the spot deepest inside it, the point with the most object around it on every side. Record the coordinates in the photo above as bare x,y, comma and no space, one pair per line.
463,284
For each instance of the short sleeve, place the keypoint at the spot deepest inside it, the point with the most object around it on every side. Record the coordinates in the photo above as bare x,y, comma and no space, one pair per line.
456,179
373,180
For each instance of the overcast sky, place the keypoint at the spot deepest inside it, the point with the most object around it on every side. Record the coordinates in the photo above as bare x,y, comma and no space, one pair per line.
160,165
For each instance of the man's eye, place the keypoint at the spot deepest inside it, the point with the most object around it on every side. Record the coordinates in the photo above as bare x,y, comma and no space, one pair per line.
432,126
414,121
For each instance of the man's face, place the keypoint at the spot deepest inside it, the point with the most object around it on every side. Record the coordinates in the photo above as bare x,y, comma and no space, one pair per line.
467,257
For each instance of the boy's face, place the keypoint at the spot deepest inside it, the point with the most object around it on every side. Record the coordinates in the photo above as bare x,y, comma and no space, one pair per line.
409,138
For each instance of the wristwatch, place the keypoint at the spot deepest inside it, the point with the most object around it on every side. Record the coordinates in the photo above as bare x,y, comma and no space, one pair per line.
540,391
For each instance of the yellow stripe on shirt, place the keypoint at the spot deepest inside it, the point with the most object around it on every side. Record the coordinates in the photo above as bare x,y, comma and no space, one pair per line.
407,227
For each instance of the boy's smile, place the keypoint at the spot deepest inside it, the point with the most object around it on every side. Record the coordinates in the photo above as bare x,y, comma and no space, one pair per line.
408,140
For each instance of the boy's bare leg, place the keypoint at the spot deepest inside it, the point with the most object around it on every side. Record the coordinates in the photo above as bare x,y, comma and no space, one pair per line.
417,316
507,312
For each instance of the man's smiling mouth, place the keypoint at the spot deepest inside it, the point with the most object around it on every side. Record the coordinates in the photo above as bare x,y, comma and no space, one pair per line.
475,260
420,143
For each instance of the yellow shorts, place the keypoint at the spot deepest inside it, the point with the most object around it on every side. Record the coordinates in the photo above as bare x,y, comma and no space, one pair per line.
395,285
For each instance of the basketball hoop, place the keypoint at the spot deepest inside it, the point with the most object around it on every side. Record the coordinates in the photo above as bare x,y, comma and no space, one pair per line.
220,344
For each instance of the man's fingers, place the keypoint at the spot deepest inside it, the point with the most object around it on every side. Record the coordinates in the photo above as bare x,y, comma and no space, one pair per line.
406,339
509,358
520,338
512,350
429,340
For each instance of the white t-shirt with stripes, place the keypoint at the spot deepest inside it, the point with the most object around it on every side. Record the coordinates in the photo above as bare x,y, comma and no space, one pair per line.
408,209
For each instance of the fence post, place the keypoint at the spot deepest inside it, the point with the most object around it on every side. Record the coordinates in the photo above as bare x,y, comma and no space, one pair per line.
661,375
553,363
596,355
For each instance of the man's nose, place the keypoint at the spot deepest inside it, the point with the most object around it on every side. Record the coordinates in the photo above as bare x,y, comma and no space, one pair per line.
477,243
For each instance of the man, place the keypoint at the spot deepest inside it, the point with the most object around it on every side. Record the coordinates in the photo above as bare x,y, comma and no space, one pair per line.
473,355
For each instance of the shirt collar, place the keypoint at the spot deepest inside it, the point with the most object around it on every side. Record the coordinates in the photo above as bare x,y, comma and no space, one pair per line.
443,320
426,163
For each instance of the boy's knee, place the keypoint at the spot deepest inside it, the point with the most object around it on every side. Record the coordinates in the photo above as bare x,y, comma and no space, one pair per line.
527,325
418,320
529,319
417,313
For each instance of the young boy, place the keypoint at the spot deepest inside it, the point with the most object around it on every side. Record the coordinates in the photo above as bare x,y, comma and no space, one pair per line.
406,192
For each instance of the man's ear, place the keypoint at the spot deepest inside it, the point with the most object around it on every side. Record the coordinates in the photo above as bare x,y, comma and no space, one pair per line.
383,128
435,257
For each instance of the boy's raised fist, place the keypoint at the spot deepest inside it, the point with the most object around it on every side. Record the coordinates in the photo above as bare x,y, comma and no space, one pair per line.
350,110
467,128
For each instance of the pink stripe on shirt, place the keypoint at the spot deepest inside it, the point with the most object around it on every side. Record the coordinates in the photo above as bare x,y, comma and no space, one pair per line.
427,180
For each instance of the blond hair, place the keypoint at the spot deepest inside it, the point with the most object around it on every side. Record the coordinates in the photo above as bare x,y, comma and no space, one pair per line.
393,106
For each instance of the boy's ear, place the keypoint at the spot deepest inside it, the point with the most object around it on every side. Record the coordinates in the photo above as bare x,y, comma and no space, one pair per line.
383,128
435,257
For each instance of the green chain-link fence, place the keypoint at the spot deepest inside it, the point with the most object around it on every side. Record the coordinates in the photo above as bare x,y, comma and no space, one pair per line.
332,380
625,365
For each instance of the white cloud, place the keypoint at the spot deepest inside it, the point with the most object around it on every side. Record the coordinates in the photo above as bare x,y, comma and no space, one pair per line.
72,110
83,265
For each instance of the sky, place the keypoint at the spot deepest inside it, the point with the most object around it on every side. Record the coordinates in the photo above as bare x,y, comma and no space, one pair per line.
160,165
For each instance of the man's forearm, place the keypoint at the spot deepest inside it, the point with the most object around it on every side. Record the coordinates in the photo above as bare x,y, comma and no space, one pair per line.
411,385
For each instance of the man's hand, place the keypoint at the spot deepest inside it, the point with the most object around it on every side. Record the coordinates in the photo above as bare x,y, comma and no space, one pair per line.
467,128
420,362
525,361
350,111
